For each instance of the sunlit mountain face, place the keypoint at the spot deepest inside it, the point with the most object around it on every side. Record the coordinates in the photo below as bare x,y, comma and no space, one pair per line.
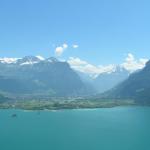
103,78
35,74
136,86
32,74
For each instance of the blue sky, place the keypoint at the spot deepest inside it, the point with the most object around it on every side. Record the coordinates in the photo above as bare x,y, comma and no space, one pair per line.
104,30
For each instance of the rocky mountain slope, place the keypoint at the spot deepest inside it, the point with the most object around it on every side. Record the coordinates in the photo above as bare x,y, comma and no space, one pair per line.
33,74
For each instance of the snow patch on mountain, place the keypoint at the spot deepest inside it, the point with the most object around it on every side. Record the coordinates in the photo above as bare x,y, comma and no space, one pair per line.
27,60
40,57
130,64
7,60
29,63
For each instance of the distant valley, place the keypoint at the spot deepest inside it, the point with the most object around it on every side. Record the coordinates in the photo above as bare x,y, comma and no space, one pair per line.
35,78
136,87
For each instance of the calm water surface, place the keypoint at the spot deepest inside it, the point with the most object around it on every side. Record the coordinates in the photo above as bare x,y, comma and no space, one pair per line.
120,128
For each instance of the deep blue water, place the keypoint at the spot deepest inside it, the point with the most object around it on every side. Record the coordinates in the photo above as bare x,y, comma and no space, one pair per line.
120,128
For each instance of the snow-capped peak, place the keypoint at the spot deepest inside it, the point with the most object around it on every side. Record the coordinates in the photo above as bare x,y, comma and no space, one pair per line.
7,60
40,57
29,60
52,59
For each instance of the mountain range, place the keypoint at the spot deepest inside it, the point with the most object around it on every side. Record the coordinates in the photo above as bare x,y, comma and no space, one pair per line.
35,75
136,87
40,77
106,80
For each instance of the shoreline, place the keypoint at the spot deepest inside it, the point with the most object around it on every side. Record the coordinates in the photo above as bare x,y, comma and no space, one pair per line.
58,110
68,107
55,105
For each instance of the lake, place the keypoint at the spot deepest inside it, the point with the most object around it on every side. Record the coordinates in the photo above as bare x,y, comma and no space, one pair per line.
119,128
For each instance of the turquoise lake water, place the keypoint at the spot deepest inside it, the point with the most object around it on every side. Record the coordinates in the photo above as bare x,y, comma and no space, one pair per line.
120,128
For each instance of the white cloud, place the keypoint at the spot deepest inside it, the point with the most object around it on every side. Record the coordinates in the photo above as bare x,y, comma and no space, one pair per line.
8,60
85,67
131,64
60,49
76,61
65,46
75,46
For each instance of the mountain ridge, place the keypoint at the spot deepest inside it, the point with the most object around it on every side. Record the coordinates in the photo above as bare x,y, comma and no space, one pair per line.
30,75
137,87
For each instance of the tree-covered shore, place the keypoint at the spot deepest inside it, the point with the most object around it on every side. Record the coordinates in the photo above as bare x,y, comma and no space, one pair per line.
64,104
